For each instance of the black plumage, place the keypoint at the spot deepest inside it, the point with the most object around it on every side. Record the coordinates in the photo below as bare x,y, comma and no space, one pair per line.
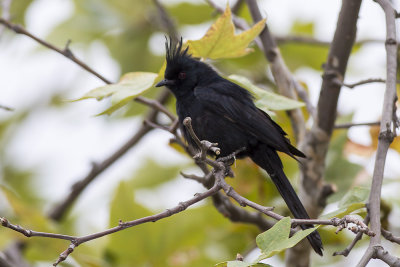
223,112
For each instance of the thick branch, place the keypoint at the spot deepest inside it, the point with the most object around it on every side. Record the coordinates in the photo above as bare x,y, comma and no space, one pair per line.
388,122
386,134
385,256
336,64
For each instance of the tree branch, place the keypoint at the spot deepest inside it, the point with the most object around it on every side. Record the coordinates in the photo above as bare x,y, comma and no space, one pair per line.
362,82
358,237
308,40
66,52
351,124
384,255
76,241
390,237
386,134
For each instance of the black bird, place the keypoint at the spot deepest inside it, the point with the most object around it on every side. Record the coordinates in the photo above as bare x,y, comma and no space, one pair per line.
223,112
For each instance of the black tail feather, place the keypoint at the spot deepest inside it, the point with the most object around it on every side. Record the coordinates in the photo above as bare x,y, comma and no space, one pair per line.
269,160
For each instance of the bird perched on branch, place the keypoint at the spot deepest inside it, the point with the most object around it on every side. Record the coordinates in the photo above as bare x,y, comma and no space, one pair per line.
223,112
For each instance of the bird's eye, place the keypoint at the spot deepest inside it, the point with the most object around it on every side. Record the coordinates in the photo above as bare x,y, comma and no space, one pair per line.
182,75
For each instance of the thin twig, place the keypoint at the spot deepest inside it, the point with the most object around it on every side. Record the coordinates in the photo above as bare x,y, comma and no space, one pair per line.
66,52
390,237
76,241
349,125
358,226
309,40
358,237
30,233
157,105
362,82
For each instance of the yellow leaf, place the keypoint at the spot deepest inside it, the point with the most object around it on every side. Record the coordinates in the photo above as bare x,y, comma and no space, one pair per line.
220,41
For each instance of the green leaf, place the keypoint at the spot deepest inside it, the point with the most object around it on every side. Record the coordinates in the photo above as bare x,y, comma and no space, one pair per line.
266,100
240,264
220,41
277,238
130,86
353,200
355,195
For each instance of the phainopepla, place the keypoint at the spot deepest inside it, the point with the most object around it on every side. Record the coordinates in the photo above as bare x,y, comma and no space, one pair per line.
223,112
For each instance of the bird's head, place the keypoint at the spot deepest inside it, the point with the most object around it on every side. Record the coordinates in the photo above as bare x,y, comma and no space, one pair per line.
183,73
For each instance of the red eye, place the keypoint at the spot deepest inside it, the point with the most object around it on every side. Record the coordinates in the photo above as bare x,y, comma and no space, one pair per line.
182,75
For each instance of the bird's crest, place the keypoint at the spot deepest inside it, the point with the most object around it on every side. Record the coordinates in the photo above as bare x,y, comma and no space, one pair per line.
174,52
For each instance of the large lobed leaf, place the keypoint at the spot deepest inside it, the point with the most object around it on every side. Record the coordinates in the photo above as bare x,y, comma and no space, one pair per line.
220,41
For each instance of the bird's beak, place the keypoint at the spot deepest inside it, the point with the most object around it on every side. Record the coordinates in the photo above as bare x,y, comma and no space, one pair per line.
165,82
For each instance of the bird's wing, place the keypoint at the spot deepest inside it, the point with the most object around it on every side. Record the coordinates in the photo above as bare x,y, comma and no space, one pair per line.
236,105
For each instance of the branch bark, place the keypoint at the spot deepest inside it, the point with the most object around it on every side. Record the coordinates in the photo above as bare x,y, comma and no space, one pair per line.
387,129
